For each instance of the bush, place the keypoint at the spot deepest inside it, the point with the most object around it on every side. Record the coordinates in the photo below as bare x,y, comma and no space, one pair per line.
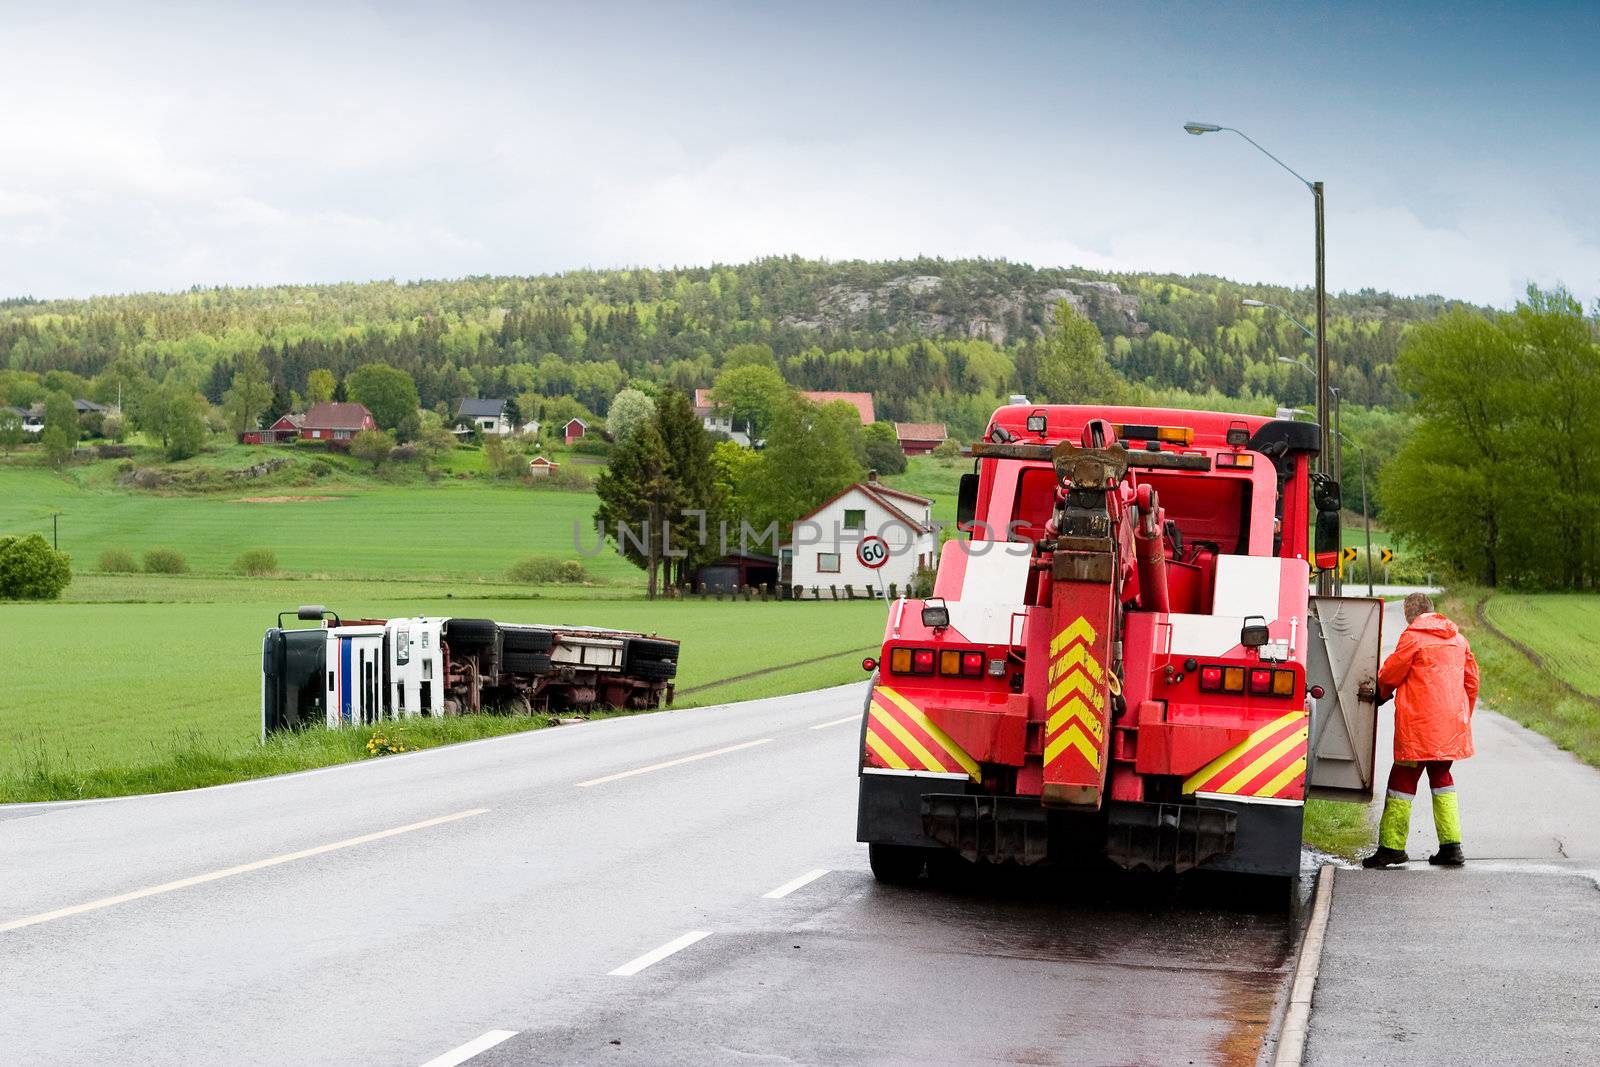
547,570
921,585
949,448
31,570
165,561
117,561
592,445
256,562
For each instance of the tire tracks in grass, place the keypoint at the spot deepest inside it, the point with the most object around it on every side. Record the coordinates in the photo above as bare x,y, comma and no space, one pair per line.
1480,611
769,670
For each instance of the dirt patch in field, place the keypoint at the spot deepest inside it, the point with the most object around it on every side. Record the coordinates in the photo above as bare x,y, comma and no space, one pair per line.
283,499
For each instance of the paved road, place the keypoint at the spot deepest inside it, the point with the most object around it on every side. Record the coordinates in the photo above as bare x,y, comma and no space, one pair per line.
395,910
1492,963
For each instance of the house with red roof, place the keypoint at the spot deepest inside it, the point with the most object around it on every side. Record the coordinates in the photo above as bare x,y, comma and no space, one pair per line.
862,402
820,556
919,438
336,421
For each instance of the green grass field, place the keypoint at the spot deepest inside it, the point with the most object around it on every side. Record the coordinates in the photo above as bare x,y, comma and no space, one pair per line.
455,528
1559,628
131,669
1555,628
939,479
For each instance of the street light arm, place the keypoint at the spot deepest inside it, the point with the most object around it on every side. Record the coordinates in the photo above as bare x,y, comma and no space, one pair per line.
1270,156
1284,312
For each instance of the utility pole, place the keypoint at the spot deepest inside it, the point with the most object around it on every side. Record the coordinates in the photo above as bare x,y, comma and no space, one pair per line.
55,531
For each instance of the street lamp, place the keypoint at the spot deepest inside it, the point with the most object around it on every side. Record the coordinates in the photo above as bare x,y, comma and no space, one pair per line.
1197,128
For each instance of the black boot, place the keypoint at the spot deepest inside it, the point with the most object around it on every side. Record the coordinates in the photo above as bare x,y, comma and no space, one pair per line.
1448,856
1385,857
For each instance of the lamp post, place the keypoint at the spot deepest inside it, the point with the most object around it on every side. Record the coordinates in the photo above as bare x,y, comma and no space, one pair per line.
1324,584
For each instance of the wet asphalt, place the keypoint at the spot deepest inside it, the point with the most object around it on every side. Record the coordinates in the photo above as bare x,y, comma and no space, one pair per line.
495,886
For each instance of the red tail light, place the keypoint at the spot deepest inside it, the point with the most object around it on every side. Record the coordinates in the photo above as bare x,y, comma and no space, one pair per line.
1261,680
972,664
922,661
1210,679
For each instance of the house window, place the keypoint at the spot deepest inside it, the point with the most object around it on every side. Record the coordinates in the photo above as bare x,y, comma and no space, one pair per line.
855,519
827,563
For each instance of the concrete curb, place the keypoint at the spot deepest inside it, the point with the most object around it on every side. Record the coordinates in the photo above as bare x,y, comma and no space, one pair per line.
1297,1020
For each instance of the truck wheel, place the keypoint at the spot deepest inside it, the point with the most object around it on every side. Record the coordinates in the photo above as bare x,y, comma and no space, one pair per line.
519,640
471,633
526,663
895,864
653,670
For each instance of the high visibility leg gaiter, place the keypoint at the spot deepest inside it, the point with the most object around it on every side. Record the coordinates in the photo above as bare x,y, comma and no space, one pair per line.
1446,808
1395,825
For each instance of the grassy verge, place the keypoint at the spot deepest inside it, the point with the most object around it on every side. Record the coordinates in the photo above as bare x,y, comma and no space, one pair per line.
1338,828
1545,693
196,761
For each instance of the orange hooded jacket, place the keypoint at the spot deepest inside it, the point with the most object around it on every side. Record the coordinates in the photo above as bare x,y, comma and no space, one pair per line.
1434,681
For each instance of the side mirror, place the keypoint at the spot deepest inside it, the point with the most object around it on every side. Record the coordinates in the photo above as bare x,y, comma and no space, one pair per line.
1325,494
1253,634
967,501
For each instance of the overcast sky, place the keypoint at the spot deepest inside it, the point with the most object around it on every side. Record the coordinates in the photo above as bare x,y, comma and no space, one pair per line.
163,146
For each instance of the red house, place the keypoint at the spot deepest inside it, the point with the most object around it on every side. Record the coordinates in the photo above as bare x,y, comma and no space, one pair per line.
287,428
574,429
919,438
336,422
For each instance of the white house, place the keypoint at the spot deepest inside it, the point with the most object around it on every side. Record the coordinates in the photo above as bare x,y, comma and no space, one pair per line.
530,428
717,421
485,416
821,551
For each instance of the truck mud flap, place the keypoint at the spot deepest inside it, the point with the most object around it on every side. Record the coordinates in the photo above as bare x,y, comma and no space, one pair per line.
1168,837
996,829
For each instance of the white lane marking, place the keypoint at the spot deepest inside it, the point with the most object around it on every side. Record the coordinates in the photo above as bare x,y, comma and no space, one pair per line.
471,1048
633,967
836,722
229,872
789,887
672,763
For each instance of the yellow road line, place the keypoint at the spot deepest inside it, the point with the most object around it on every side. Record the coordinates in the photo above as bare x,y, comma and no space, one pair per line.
229,872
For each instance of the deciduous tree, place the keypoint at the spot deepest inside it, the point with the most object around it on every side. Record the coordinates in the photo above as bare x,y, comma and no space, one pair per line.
60,434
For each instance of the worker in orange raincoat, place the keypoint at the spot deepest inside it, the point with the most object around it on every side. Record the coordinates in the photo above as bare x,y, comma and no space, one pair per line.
1434,681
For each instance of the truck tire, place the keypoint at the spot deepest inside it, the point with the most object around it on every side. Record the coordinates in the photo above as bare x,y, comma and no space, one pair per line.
640,651
533,663
653,670
895,864
471,633
520,640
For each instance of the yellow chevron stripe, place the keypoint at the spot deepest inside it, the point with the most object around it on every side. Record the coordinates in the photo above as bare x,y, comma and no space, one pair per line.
1074,711
884,752
1077,656
1199,777
1289,774
1262,762
1079,630
940,738
886,721
1079,683
1073,737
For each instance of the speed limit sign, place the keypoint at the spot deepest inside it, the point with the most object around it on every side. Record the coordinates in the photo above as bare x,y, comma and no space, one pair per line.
872,552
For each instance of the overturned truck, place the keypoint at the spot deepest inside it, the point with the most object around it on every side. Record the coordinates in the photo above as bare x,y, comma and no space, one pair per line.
350,672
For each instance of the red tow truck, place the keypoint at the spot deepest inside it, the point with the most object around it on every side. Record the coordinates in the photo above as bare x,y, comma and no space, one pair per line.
1121,660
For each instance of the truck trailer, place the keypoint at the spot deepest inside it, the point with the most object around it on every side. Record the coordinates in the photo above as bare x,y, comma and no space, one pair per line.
1120,661
350,672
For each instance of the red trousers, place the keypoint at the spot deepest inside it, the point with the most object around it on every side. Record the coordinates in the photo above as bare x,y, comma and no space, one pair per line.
1403,777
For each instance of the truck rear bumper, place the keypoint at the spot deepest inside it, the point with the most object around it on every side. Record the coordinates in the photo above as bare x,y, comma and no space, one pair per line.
1218,835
